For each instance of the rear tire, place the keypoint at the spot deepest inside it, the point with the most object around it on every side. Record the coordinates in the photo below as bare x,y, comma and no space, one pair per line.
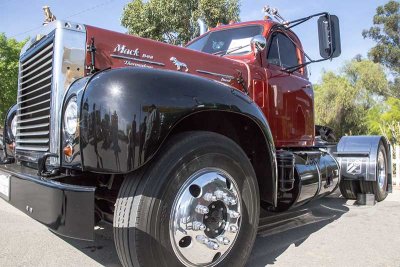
378,187
349,189
148,201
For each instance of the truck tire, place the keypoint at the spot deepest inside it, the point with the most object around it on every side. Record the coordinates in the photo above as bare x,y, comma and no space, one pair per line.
349,189
378,187
195,204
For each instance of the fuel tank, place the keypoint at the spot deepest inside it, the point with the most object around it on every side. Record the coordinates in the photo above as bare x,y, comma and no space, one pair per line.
304,176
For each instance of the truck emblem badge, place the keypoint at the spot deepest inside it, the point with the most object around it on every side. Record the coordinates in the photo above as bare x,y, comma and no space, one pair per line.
354,166
122,49
179,65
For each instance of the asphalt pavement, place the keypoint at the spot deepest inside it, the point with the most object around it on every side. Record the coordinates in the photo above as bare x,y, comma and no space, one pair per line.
328,232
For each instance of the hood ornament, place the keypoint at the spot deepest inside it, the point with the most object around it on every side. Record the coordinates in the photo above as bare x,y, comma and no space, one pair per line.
48,15
179,65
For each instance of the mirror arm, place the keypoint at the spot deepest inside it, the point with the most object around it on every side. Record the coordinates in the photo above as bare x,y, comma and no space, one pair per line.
302,20
297,67
297,22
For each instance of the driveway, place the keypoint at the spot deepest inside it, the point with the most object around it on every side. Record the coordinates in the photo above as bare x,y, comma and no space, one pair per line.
329,232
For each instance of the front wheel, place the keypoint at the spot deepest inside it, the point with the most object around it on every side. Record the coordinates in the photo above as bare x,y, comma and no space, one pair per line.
197,204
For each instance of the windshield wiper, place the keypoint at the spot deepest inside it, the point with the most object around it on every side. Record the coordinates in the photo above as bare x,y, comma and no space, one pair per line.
228,51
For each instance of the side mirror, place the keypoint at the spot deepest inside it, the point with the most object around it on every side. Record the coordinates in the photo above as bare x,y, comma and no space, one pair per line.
258,43
329,36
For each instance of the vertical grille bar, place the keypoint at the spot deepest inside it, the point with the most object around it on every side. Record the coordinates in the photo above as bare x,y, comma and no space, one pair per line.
34,100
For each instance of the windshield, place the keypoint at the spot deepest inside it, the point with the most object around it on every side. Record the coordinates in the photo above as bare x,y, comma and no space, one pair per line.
227,41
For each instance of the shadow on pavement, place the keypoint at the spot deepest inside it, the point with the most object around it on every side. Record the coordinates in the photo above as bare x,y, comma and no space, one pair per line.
274,238
102,250
294,228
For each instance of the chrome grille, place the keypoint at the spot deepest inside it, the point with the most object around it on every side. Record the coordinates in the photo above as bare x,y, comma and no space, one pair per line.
34,100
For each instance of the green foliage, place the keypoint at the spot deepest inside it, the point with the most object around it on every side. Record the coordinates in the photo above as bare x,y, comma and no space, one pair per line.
9,55
384,119
342,101
175,21
335,105
386,33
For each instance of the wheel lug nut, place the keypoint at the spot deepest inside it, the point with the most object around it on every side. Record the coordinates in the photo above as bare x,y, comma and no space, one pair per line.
209,197
198,226
233,228
234,214
230,201
223,240
212,245
219,194
201,209
204,240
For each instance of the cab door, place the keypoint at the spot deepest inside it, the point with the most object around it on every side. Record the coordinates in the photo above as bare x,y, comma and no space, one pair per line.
289,95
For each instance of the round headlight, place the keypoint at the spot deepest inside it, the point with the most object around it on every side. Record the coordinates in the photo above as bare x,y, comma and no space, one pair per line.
71,117
14,126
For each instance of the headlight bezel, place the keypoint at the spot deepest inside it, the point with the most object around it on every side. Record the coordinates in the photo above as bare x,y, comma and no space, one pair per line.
13,127
70,117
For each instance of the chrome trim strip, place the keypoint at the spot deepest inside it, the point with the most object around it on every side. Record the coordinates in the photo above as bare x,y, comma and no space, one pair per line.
33,112
37,75
33,98
33,119
33,141
30,148
40,61
33,133
69,57
138,60
225,76
41,125
36,104
33,84
39,54
34,91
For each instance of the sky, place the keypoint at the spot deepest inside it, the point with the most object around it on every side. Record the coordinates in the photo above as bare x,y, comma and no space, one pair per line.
20,18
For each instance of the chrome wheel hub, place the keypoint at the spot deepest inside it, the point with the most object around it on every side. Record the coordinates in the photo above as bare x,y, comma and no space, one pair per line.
381,169
205,218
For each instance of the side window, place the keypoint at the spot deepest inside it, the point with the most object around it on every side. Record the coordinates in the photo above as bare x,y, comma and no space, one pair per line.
273,53
287,51
282,51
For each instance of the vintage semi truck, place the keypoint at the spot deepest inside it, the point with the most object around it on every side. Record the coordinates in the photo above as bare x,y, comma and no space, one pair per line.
179,148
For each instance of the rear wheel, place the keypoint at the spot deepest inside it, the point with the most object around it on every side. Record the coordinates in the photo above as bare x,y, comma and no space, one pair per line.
197,204
349,189
378,187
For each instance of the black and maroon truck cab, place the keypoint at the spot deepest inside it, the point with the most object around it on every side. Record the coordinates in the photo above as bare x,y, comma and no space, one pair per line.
178,147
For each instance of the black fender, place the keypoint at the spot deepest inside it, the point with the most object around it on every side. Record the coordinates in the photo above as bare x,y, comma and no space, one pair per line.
8,137
126,114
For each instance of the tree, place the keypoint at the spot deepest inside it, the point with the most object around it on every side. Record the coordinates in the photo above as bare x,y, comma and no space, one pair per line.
386,33
384,119
342,101
175,21
9,56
